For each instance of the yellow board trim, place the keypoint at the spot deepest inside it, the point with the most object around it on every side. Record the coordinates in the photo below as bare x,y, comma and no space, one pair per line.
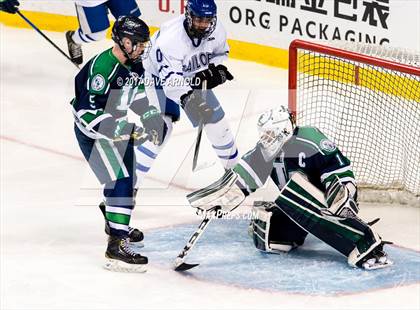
377,80
262,54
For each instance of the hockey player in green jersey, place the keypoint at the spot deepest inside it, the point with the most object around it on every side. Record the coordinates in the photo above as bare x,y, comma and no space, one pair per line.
105,88
318,193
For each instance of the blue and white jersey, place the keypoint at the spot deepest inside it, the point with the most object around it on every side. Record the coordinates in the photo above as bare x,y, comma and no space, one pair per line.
175,56
89,3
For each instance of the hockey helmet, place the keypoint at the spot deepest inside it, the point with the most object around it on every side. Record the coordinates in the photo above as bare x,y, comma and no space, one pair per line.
200,12
136,31
275,127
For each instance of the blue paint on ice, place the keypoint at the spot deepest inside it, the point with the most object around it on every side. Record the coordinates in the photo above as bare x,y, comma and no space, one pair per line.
226,255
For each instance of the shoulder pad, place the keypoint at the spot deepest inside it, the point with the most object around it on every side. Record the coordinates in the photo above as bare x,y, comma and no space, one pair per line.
101,72
313,136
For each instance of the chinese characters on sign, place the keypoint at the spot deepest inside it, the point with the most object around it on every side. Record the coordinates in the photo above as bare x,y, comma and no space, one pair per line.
374,11
317,22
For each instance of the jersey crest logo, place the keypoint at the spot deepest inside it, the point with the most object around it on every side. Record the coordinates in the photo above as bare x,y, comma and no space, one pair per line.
98,82
328,145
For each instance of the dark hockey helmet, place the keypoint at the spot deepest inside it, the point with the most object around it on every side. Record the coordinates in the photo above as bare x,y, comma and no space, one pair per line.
136,31
202,12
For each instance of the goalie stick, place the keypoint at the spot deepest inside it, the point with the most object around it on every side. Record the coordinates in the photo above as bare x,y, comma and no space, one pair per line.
200,130
180,264
206,196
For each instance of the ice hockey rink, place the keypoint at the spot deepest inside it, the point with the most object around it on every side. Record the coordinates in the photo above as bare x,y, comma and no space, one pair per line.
52,239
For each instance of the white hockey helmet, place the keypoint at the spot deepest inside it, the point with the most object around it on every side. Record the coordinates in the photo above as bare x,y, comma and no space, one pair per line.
275,127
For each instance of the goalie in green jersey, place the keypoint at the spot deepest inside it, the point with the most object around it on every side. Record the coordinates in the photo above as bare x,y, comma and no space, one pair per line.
318,193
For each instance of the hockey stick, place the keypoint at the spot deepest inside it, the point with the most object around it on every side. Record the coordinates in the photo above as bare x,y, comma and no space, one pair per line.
45,37
180,264
200,130
138,137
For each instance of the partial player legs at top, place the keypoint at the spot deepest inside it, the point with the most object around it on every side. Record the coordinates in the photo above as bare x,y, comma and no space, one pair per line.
94,22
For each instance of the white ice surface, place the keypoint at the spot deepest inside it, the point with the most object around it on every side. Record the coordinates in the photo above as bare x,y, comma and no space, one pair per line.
52,240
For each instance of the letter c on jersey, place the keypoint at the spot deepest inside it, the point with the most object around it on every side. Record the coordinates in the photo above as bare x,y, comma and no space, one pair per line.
302,156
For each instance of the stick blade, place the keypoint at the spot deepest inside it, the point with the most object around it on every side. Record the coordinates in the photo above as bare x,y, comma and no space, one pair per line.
185,267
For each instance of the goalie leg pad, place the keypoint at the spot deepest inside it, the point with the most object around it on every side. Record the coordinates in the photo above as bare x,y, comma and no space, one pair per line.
302,202
272,231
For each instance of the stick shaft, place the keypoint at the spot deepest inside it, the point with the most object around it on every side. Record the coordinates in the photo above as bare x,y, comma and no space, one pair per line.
194,238
197,145
200,130
45,37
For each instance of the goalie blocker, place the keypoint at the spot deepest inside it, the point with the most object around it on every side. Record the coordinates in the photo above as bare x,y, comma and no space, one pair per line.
224,195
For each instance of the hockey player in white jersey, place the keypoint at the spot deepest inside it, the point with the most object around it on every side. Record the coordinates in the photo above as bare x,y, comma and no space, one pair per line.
188,48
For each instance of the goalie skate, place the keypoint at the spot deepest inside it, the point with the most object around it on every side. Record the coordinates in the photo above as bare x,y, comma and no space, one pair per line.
376,259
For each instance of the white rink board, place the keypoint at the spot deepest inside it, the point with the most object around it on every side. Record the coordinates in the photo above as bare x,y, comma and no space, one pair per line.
277,23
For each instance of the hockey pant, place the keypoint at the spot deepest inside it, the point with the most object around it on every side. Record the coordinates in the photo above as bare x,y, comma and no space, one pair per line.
309,212
94,22
113,165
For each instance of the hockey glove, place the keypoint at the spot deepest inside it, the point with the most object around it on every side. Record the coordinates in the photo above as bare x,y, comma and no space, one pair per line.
339,200
9,6
152,121
224,194
136,135
214,76
195,106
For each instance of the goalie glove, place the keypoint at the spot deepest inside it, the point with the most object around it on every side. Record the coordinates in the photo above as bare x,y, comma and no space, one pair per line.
339,200
223,193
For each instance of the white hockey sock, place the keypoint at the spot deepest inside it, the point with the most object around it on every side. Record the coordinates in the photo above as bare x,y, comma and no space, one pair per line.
79,37
223,142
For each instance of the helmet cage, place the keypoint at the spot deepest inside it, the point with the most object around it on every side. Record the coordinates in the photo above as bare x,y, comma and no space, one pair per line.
275,127
192,16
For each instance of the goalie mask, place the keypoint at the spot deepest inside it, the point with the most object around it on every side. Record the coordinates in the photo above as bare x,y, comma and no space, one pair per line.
275,127
200,18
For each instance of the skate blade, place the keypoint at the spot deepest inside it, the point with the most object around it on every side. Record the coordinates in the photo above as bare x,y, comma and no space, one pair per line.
119,266
388,263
